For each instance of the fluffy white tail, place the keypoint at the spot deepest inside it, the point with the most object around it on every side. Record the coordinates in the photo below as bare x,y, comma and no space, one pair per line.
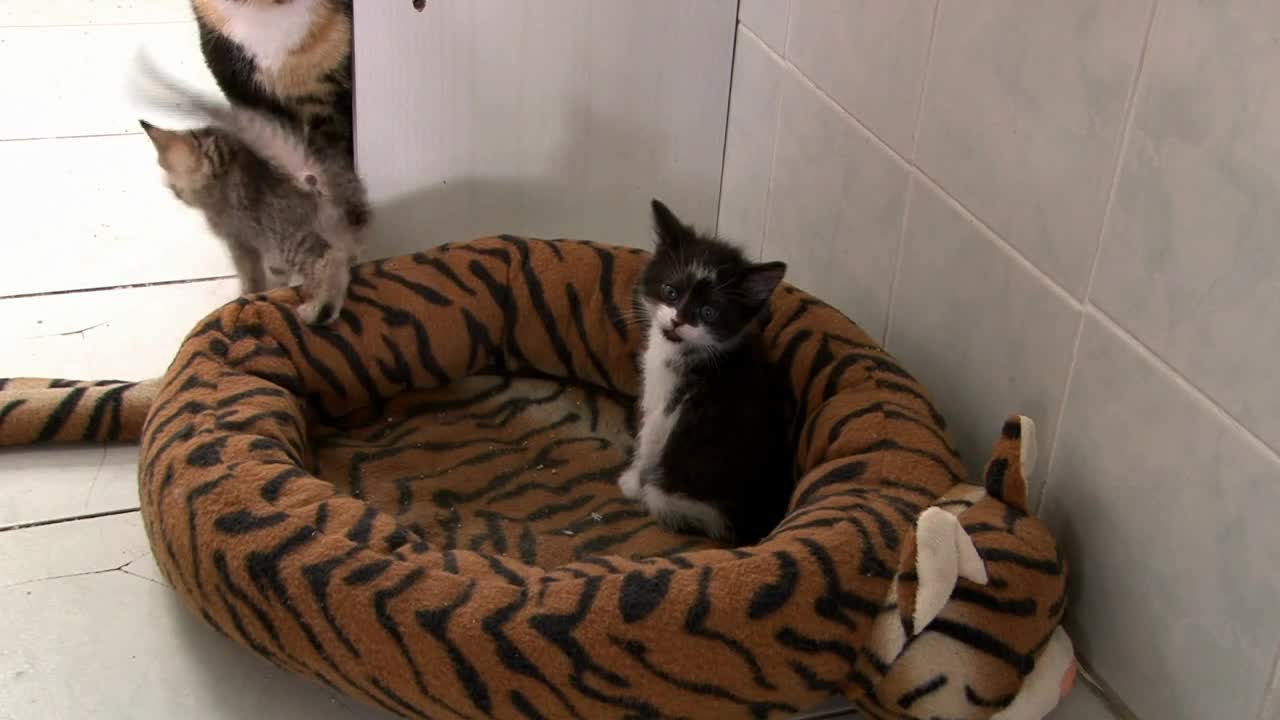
267,136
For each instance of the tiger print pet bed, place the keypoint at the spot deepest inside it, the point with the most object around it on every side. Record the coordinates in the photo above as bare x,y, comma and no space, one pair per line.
417,506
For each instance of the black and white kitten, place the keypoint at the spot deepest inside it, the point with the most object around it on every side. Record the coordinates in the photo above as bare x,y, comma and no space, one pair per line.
711,455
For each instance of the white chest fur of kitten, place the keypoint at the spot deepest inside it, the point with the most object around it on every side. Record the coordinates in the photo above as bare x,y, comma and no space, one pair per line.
267,31
661,375
660,366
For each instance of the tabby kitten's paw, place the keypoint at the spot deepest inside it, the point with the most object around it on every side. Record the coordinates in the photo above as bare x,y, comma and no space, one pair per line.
318,312
629,483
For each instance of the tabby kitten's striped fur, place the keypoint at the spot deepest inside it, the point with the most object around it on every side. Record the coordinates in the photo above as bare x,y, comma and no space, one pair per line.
289,58
279,226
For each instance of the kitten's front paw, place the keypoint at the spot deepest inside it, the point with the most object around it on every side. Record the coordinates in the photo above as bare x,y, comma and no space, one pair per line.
629,483
318,312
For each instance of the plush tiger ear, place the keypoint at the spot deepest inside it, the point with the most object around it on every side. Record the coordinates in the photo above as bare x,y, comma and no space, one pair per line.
944,554
1012,461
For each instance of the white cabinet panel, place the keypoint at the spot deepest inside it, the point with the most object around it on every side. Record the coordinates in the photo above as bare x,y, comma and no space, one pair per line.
552,118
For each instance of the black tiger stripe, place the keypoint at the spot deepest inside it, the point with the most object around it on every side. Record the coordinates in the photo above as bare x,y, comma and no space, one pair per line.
242,597
606,282
60,414
308,358
513,658
775,595
428,294
575,312
994,479
904,389
558,629
538,299
814,681
1000,555
640,653
356,364
525,707
443,268
923,690
193,528
318,576
480,341
381,599
435,622
695,623
502,297
997,703
836,598
982,641
10,406
109,399
839,475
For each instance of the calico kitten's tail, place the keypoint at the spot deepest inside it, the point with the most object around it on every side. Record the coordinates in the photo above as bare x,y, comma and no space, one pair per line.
265,135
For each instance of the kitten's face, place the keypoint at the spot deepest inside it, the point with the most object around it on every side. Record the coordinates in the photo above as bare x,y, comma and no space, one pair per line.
185,156
700,292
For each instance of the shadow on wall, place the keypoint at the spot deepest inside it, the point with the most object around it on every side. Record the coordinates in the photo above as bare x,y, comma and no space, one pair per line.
597,190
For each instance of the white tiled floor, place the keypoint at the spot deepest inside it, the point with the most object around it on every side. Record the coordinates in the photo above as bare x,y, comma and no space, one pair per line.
90,629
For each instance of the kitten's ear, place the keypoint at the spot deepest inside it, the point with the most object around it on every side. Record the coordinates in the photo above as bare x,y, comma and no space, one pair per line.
177,151
758,282
671,232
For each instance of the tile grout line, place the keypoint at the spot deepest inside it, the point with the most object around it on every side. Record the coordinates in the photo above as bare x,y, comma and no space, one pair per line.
38,138
107,288
67,519
1185,384
924,80
728,107
897,261
135,23
910,192
933,185
773,151
786,30
1270,691
1126,129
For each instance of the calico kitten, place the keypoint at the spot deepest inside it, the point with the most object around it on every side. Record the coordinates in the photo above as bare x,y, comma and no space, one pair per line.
711,454
289,58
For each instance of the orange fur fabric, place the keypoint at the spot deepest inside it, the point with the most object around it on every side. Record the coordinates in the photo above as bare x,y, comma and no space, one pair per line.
417,506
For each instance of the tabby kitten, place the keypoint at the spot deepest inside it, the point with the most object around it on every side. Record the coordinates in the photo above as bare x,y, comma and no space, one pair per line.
711,455
277,229
289,58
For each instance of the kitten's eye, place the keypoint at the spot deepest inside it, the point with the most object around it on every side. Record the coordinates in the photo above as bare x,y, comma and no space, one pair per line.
709,313
669,293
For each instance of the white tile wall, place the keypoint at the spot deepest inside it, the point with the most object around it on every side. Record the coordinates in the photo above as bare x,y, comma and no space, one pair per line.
1165,508
768,19
841,190
1022,117
749,143
981,352
869,56
1190,263
1089,238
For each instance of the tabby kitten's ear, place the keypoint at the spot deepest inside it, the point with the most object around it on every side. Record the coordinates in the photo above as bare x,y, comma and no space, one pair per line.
177,151
671,232
757,282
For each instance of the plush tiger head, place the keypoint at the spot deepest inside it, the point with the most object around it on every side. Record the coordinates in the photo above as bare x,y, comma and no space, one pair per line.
971,630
